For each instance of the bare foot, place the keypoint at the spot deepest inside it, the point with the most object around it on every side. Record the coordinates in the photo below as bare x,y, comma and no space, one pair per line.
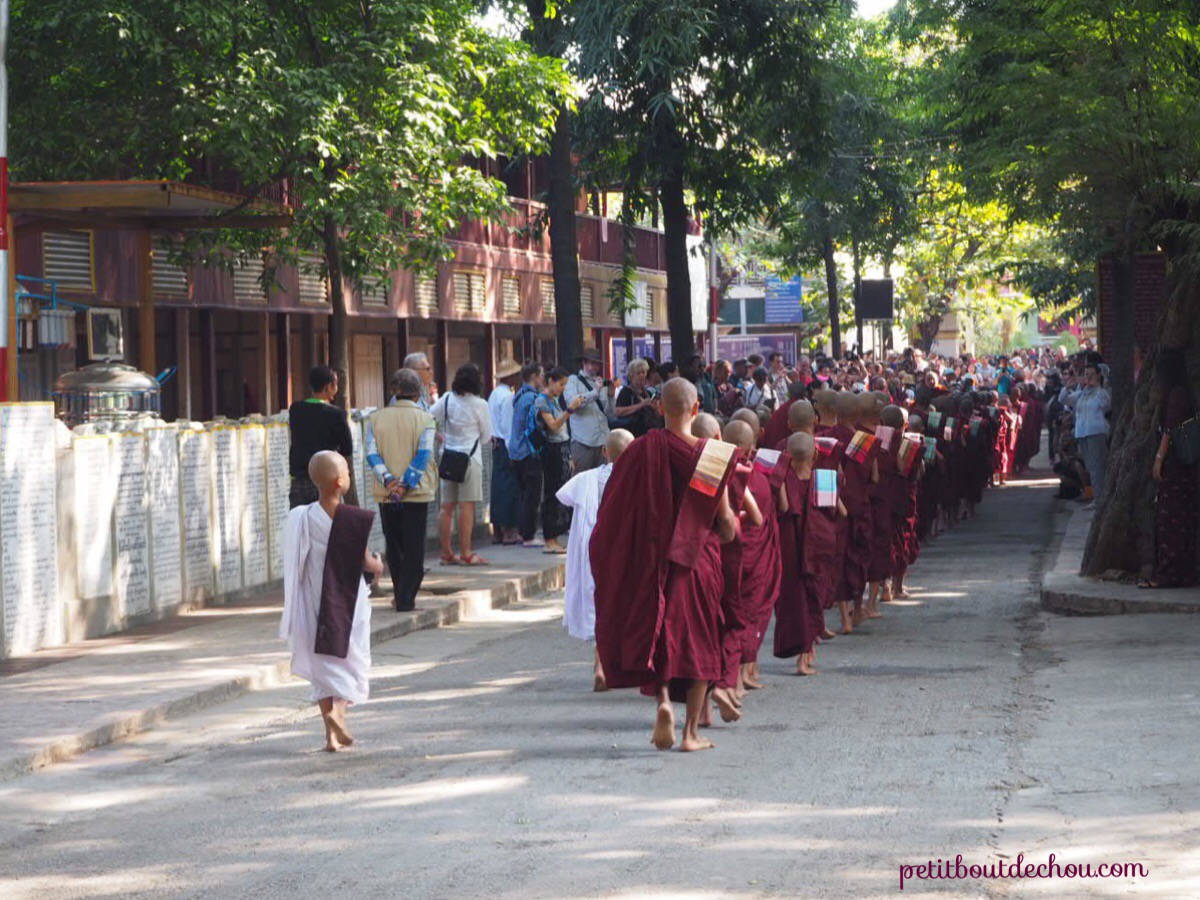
729,712
599,685
803,668
752,684
664,728
332,745
691,744
827,635
337,723
705,720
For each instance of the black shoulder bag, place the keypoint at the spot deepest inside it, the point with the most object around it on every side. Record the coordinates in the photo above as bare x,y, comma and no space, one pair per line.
454,464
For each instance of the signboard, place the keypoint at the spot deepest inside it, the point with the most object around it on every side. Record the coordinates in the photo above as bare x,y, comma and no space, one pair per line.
278,485
131,526
252,492
95,497
162,484
195,491
783,301
729,346
28,528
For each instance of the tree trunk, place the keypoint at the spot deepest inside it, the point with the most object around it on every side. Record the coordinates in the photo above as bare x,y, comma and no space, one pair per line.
858,323
564,247
338,344
1122,533
1123,343
679,285
546,33
831,288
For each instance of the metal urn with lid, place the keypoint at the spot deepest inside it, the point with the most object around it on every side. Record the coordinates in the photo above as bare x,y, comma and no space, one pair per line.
106,390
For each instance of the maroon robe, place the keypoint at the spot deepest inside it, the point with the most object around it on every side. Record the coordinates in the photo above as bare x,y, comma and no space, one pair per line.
737,615
808,543
657,564
776,429
760,564
882,495
856,497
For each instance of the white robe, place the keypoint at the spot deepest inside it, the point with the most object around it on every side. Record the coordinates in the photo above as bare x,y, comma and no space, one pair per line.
305,540
582,494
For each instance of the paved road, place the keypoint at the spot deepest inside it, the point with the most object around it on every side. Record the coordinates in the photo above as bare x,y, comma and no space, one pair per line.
963,722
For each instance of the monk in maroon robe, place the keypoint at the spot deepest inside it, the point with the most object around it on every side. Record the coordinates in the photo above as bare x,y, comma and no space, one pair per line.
760,560
808,544
859,476
777,430
656,557
886,496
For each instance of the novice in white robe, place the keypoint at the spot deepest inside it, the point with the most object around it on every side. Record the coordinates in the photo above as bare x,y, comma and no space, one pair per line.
305,538
583,494
337,682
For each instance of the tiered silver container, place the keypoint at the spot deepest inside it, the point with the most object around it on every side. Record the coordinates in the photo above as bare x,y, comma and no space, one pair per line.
106,390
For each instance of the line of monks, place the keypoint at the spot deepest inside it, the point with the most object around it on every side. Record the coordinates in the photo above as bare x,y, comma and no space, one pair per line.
703,534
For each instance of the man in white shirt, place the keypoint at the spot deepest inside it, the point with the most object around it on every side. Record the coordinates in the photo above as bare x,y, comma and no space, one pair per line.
506,491
589,423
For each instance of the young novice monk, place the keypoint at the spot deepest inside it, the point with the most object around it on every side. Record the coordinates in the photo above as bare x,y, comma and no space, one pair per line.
808,545
582,494
326,609
760,562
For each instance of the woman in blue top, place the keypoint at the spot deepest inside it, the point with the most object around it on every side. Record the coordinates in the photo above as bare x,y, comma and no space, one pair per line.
552,423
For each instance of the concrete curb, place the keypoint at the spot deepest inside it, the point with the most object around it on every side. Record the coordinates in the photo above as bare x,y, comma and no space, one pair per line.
435,613
1065,591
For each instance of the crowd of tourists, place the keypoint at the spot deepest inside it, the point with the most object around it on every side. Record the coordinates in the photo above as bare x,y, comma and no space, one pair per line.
698,502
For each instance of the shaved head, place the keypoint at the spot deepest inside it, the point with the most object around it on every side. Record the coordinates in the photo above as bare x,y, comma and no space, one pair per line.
327,468
750,417
679,397
616,442
846,405
892,417
801,446
801,416
739,434
825,399
706,426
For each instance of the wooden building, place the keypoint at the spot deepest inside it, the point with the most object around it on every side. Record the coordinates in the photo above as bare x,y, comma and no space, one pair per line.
239,349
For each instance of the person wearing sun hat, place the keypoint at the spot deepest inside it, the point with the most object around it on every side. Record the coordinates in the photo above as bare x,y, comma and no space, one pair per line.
506,491
589,423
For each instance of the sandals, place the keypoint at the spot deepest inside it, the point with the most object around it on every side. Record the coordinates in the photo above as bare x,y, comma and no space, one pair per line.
474,559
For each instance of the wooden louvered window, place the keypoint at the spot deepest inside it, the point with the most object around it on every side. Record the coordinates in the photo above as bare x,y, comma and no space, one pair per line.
510,297
587,303
247,282
170,281
312,286
470,298
426,296
67,260
651,296
375,293
548,310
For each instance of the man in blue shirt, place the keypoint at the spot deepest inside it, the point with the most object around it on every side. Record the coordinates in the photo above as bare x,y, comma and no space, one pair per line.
523,456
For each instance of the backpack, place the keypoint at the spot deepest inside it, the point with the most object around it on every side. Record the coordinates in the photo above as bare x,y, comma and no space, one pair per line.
533,433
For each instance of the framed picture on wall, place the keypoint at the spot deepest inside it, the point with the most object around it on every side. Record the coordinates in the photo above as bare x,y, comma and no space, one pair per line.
105,338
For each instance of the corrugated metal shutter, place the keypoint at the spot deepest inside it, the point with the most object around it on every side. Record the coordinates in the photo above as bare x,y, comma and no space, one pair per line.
247,287
587,303
469,298
169,280
548,298
375,293
510,297
312,285
427,298
67,260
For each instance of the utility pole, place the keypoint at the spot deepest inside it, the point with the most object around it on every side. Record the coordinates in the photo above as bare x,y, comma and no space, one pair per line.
5,274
